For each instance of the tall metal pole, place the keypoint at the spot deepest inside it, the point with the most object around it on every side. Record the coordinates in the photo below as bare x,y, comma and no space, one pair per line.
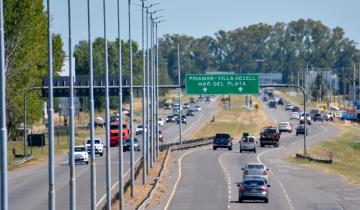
72,180
107,114
25,123
152,92
132,181
92,129
51,193
354,88
3,131
179,82
151,95
359,81
157,91
148,139
145,126
121,154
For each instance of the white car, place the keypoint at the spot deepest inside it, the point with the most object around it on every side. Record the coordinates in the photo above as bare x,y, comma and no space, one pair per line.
197,108
294,116
81,155
99,146
248,143
257,170
139,129
285,127
308,118
161,122
289,107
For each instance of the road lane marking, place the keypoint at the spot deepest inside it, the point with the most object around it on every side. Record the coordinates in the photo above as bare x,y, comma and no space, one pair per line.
179,176
226,174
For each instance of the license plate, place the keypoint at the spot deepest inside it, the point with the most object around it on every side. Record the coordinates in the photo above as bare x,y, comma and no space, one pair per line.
253,190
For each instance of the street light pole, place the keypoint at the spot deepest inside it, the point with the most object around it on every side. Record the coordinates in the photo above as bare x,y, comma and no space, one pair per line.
121,152
72,183
144,133
179,82
3,131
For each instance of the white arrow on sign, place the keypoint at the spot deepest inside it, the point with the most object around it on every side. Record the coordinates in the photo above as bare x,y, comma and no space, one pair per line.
240,89
205,89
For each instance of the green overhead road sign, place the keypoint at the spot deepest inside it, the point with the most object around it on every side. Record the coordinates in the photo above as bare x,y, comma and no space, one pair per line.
222,84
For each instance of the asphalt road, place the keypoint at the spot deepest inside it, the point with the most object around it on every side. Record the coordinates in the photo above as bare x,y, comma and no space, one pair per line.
209,177
28,187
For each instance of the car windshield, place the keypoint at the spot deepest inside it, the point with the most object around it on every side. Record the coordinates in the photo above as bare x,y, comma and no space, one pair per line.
255,166
80,149
254,182
284,124
128,141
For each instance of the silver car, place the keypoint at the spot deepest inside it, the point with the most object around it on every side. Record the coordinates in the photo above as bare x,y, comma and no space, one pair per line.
248,143
255,170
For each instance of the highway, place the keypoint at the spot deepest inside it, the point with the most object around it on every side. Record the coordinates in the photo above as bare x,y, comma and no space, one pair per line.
209,177
28,187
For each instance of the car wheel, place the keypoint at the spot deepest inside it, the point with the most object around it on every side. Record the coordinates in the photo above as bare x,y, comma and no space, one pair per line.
101,154
261,145
266,200
254,150
214,148
240,200
87,162
230,148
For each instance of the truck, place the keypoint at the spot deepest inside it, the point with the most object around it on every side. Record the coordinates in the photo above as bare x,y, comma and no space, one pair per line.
269,136
114,133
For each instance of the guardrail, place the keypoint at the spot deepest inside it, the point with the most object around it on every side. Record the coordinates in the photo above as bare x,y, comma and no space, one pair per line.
174,147
24,160
308,157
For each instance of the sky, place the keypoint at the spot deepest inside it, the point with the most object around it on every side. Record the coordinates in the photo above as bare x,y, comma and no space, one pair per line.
198,18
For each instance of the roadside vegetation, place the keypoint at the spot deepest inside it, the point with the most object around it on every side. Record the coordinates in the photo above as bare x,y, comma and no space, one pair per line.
235,120
346,149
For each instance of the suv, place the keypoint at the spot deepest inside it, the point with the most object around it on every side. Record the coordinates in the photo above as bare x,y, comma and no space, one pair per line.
98,146
80,155
247,143
269,136
222,140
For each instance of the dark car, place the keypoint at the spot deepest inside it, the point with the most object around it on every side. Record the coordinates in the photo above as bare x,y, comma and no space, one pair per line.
190,113
295,109
301,129
222,140
192,100
183,120
170,118
318,117
272,104
254,189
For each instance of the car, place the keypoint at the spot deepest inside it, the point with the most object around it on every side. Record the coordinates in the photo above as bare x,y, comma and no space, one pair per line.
308,118
254,189
269,136
183,120
294,116
127,145
114,132
98,145
265,98
295,109
280,102
285,127
255,170
192,100
170,118
300,129
190,113
81,155
272,104
247,143
328,116
161,136
208,98
161,122
197,108
167,106
175,110
140,129
318,117
289,107
186,106
222,140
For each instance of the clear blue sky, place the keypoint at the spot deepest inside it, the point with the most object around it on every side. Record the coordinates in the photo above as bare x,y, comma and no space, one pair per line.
205,17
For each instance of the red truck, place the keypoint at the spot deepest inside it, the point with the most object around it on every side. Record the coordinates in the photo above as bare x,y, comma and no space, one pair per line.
114,133
269,136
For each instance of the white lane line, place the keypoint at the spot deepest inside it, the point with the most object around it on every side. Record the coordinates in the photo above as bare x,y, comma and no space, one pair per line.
226,174
179,176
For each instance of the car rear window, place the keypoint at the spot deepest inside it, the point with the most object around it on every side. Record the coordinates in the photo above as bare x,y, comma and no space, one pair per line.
222,136
255,166
254,182
80,149
270,130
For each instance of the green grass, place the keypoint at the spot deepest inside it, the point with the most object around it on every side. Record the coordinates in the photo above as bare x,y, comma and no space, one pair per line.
346,155
40,154
234,120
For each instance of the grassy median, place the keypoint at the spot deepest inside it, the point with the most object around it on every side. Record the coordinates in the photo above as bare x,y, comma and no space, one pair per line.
346,149
235,120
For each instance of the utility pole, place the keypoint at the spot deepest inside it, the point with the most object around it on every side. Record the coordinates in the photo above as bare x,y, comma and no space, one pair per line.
145,126
179,82
354,87
121,152
3,131
72,181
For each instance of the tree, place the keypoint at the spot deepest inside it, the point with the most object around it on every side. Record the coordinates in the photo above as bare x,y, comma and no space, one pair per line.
26,57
